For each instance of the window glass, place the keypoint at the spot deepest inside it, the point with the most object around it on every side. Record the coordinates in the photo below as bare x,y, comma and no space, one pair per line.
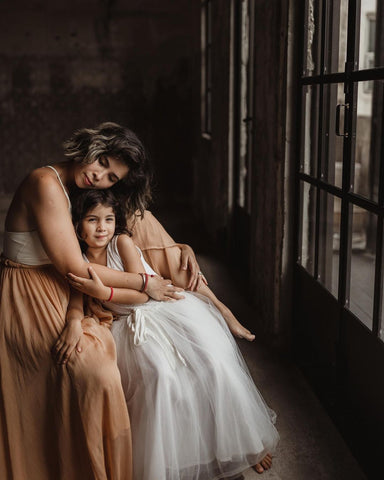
332,146
311,126
363,257
336,39
308,224
367,42
329,241
368,139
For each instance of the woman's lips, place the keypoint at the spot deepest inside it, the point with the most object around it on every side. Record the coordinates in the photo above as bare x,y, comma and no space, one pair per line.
87,181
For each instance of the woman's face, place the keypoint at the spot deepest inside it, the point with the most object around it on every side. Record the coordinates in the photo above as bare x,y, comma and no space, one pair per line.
101,174
98,226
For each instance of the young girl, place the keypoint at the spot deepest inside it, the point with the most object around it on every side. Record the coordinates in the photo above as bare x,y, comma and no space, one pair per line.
195,411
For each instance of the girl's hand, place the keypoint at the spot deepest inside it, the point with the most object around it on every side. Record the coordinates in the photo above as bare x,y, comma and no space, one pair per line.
93,286
188,261
70,338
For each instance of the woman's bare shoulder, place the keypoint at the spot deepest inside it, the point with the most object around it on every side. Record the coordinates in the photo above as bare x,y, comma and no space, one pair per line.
38,188
42,181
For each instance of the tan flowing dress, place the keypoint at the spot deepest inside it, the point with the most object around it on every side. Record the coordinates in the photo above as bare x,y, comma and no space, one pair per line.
159,249
65,421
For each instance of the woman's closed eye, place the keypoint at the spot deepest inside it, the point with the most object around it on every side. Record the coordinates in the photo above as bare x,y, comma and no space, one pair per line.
103,161
112,178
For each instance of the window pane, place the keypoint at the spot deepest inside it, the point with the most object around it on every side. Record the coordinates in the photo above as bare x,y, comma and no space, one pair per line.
308,222
363,258
336,50
368,138
311,126
332,146
367,34
329,245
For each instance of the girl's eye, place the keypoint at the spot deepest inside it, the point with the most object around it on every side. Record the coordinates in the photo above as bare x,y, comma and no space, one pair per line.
103,162
112,179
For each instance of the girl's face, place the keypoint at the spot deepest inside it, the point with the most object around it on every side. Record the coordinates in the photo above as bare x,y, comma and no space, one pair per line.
101,174
98,226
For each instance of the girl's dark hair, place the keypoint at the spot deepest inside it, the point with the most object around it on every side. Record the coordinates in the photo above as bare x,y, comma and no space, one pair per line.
89,199
112,140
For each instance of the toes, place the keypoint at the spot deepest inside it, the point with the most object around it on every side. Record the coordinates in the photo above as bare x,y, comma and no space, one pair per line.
258,468
266,463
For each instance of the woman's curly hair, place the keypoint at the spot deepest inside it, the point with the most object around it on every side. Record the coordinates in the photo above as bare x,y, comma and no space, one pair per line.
112,140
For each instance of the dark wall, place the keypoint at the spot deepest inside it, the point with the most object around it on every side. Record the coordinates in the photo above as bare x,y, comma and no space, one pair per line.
213,186
211,171
67,65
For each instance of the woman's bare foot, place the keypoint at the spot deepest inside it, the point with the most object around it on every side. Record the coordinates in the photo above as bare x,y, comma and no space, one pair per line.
265,464
235,326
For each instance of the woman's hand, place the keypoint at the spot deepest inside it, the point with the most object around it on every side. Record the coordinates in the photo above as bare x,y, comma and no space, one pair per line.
162,290
70,338
92,286
188,261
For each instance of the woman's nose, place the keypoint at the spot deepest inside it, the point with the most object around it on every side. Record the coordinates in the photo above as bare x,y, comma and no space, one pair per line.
96,176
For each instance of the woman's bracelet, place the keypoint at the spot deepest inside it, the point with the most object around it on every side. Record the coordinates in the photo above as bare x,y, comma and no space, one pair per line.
145,282
145,277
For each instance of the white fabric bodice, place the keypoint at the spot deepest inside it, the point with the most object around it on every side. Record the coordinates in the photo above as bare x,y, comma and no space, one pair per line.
26,247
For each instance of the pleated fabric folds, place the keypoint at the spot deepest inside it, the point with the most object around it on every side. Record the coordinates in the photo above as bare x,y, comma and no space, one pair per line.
56,421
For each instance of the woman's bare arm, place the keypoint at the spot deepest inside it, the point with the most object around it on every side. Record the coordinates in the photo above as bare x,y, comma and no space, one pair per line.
49,208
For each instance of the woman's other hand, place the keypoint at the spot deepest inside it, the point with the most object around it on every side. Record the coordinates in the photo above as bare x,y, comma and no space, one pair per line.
69,340
163,290
92,286
189,262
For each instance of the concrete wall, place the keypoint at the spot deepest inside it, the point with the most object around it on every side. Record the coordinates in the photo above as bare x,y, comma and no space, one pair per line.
66,65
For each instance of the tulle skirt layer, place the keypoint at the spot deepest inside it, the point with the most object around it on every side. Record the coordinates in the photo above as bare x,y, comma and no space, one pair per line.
57,422
195,411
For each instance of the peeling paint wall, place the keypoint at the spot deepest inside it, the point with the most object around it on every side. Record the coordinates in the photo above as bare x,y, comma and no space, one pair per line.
67,65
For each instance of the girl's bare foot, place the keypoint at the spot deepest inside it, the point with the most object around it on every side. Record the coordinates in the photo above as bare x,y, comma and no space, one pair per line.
235,326
265,464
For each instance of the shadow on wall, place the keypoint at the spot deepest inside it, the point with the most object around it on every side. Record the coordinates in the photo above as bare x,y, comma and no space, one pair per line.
66,68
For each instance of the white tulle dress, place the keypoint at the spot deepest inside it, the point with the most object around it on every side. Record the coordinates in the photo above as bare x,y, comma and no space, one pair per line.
195,411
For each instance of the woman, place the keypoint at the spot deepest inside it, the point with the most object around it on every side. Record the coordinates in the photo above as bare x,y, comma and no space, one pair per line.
65,420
